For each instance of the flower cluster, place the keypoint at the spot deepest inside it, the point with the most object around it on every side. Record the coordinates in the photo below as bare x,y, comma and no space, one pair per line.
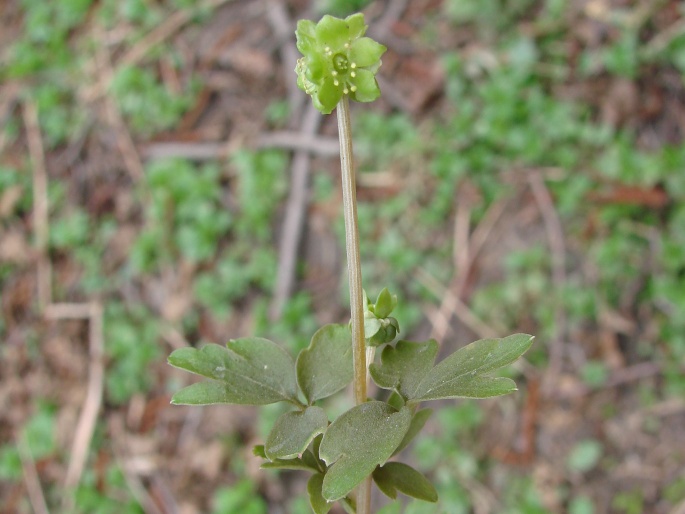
338,60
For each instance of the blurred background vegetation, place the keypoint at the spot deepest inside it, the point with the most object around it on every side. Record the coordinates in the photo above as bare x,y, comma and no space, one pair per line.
162,184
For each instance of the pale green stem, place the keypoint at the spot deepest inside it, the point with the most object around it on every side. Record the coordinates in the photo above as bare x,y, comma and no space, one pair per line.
354,268
354,271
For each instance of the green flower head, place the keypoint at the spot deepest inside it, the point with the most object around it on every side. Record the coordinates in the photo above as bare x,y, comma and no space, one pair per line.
338,60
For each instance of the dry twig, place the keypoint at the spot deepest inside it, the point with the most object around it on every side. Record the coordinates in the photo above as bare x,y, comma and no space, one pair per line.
31,479
40,203
127,147
664,38
294,219
293,225
162,32
158,35
466,249
89,413
456,306
165,495
555,239
132,478
9,98
283,27
91,311
306,142
204,151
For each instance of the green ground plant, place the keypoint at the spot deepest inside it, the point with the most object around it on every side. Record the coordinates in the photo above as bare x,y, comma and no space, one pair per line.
339,64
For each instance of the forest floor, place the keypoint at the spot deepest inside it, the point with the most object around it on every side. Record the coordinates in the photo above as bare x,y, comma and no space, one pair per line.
164,183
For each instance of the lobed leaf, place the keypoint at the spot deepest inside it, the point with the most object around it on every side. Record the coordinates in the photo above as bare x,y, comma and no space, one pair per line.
396,476
204,393
326,367
316,499
396,401
404,366
310,455
293,431
248,371
306,463
290,464
418,421
462,374
358,441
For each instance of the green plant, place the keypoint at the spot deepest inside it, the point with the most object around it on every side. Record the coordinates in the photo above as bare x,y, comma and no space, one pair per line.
339,63
34,441
584,456
581,505
628,502
239,498
106,494
132,346
146,103
184,216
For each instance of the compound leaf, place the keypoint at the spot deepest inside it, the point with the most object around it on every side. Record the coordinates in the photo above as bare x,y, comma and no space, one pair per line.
293,431
395,476
316,499
358,441
326,367
404,366
418,420
291,464
303,463
248,371
462,374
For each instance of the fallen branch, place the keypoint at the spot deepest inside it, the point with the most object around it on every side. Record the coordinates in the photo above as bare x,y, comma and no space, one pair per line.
294,219
85,311
31,479
459,308
206,151
91,406
557,247
40,203
466,250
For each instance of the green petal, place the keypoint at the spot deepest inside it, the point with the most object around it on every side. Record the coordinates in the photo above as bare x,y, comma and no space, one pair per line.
329,95
304,84
306,36
367,87
366,52
319,106
317,66
356,25
332,32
